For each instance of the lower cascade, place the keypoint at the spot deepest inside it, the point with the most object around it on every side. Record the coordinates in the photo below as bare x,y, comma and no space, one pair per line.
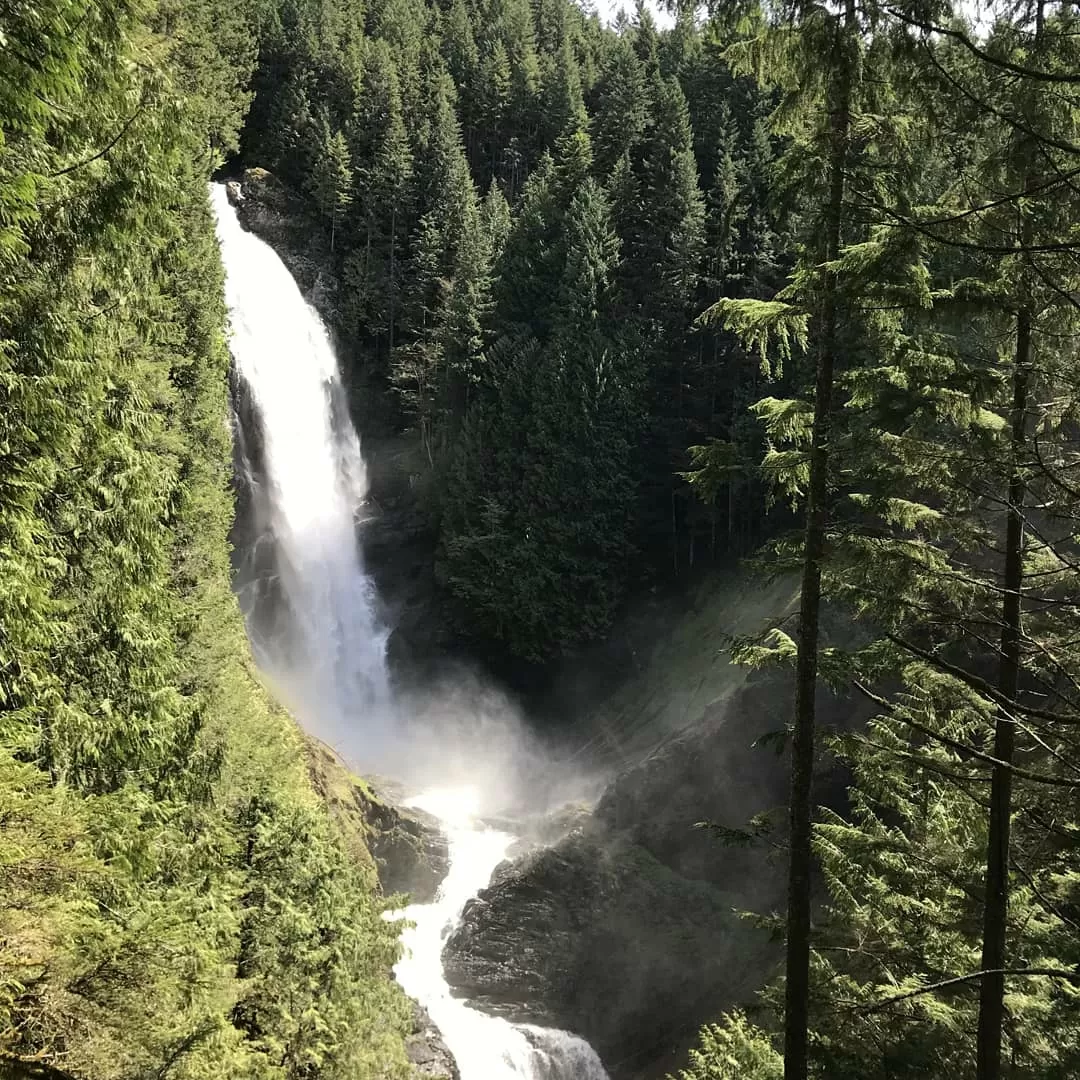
327,652
485,1047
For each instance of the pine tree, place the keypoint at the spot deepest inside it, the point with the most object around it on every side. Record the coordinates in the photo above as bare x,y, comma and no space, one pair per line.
826,49
463,63
383,206
621,115
563,108
493,106
331,181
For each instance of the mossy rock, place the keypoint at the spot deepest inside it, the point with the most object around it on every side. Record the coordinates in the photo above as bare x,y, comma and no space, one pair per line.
405,847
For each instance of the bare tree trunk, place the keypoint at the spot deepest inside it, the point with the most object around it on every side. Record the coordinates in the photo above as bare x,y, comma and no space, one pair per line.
393,284
797,983
996,903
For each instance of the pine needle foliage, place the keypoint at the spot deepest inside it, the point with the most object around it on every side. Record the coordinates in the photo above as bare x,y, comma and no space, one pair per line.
135,737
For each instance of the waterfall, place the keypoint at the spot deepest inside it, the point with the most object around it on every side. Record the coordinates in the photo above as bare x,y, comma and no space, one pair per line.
485,1047
327,652
322,643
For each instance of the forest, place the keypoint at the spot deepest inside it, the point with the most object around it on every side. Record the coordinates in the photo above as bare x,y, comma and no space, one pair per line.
792,286
174,899
523,207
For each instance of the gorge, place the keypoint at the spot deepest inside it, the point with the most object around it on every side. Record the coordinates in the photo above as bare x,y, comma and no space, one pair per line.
580,529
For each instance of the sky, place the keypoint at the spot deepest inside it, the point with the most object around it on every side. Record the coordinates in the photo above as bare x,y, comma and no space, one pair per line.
607,10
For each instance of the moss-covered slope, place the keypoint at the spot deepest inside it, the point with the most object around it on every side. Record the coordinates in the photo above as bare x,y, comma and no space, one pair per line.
175,900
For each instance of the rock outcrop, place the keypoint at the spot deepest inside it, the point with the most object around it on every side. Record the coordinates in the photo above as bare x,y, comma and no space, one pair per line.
428,1054
627,930
596,936
275,214
407,846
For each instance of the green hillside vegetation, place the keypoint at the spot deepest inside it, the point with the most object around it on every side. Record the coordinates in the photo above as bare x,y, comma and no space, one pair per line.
174,901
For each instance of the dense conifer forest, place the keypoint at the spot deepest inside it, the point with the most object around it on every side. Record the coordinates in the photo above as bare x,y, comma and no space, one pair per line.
795,280
527,213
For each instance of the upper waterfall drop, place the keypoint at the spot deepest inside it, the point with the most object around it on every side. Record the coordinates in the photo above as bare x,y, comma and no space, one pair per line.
309,486
327,651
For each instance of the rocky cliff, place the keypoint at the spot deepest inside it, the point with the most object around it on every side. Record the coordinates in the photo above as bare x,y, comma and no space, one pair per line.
627,930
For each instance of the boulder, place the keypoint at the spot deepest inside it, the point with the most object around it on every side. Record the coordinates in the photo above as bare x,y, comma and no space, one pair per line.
594,935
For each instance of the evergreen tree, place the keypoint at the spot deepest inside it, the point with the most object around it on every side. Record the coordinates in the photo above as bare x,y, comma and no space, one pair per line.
331,181
622,114
509,534
824,52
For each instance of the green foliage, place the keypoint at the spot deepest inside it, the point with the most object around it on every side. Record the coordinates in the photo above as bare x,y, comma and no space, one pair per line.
175,900
134,735
733,1050
946,450
769,327
528,102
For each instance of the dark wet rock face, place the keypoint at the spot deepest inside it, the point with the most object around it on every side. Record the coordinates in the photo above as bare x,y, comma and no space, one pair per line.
428,1055
275,214
596,936
626,930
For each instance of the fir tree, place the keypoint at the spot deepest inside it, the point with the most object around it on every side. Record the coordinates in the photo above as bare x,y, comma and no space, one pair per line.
331,182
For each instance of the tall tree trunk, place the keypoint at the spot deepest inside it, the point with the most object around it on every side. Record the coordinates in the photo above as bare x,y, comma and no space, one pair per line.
996,899
797,985
996,903
393,283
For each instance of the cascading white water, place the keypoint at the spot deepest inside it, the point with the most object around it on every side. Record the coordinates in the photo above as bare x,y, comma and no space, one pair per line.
485,1047
333,667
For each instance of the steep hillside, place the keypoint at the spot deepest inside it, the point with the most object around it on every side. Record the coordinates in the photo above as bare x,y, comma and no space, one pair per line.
511,216
174,897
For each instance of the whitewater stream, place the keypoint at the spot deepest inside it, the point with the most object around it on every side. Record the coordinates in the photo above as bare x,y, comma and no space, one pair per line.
326,654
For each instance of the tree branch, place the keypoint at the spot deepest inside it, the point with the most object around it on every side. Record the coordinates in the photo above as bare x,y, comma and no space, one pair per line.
982,54
101,153
1057,973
